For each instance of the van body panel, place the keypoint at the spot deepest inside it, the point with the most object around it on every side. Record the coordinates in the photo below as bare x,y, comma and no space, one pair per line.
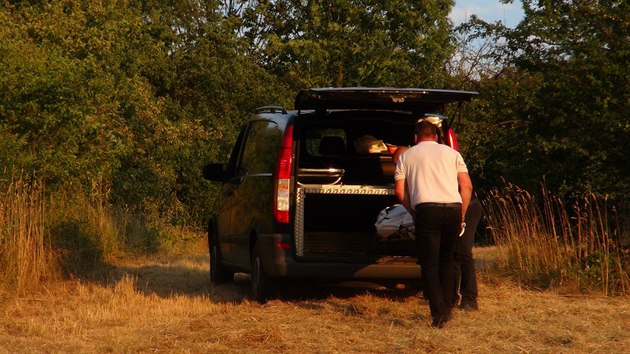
285,264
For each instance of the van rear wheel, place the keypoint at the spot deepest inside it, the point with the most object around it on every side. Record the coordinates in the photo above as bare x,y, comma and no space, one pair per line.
263,287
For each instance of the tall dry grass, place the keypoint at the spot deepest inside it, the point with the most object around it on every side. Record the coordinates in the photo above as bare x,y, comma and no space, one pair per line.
578,246
44,235
26,256
583,246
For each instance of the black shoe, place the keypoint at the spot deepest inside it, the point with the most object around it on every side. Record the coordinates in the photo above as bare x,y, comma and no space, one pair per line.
440,322
469,306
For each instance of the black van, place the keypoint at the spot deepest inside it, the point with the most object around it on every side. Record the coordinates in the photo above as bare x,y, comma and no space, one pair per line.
302,189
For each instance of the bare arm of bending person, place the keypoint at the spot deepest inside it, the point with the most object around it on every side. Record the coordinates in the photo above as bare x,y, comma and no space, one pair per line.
465,190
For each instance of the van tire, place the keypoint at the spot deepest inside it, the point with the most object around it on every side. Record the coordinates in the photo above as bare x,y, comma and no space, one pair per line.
263,287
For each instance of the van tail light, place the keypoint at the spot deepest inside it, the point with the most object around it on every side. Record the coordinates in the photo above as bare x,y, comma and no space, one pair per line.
282,182
451,139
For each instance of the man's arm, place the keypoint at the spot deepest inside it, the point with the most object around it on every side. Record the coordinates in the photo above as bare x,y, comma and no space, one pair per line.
465,190
403,195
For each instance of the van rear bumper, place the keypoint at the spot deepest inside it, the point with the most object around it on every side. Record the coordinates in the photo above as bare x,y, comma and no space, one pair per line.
280,262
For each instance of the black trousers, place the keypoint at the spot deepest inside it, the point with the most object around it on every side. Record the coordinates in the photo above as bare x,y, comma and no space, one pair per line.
437,230
466,275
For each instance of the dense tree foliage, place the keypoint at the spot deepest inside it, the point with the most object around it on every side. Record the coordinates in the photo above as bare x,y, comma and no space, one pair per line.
351,43
558,112
124,98
131,97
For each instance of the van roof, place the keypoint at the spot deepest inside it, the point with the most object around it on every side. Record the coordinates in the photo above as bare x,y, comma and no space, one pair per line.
388,98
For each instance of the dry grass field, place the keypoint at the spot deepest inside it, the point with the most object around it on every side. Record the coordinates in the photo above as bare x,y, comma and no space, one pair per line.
165,304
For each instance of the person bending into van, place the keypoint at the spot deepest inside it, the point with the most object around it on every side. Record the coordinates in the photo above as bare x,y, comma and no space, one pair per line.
432,182
466,274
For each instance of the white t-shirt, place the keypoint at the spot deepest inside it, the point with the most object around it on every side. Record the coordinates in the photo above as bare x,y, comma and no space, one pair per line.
430,170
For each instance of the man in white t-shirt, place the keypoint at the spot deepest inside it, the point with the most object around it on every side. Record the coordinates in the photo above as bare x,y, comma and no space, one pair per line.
432,183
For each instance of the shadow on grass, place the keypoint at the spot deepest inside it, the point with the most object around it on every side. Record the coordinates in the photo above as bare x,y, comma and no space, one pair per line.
309,290
171,277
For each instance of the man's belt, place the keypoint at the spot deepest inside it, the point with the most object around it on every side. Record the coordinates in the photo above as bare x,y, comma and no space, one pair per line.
441,205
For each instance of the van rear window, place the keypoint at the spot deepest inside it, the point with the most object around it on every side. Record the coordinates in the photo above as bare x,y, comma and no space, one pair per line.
326,142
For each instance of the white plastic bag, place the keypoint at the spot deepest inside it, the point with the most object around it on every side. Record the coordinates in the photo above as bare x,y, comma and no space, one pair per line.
395,222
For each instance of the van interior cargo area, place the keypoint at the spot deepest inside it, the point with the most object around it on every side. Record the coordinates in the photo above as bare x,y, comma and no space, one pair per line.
345,178
336,222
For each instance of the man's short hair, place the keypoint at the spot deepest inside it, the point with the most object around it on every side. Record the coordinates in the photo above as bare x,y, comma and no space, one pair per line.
426,128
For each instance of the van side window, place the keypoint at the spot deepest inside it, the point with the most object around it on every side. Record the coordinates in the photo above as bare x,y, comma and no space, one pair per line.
261,148
230,168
